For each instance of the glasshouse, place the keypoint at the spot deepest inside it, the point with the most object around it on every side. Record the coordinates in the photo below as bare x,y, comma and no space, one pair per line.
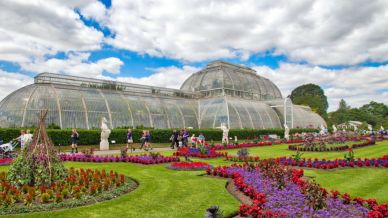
219,93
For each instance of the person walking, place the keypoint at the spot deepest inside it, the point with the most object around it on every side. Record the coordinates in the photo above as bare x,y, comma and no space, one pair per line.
148,140
185,136
143,139
22,139
174,139
130,140
27,138
74,140
180,139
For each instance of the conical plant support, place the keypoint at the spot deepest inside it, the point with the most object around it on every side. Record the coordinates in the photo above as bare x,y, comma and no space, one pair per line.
41,158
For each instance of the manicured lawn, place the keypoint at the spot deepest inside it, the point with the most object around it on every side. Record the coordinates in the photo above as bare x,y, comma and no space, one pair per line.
362,182
282,150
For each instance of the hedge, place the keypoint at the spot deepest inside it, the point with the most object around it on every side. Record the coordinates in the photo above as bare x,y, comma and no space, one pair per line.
92,137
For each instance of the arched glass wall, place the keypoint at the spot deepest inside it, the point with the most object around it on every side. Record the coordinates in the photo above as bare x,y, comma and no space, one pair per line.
84,107
237,113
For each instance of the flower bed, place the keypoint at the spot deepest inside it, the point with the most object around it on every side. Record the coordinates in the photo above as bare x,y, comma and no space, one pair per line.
141,159
335,148
5,161
254,144
337,163
81,187
282,192
203,152
319,164
189,166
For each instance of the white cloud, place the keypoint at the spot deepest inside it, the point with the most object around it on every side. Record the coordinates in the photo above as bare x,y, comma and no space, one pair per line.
170,77
10,81
95,10
76,64
33,29
323,32
357,86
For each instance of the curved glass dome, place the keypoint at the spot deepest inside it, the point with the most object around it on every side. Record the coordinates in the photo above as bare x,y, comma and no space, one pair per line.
221,78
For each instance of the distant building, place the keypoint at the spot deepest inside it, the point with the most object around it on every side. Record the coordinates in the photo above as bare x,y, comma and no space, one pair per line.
349,125
220,93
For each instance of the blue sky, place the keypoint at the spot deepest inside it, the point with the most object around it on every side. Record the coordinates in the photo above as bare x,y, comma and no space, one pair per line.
163,42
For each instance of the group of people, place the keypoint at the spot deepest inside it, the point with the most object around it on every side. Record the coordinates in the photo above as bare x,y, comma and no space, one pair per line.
145,140
25,138
181,139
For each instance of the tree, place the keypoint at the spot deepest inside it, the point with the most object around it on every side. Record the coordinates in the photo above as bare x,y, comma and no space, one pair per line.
311,95
343,106
375,114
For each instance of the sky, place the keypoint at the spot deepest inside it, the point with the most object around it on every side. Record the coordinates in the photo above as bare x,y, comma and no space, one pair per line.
340,45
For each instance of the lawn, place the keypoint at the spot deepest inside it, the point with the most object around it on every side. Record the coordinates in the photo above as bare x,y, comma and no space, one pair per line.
167,193
282,150
361,182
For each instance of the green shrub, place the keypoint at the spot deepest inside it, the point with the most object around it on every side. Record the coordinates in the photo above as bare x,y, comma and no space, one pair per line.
243,152
92,137
45,198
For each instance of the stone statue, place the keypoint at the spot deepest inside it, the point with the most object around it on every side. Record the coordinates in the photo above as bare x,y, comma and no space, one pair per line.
323,130
381,128
105,132
334,129
370,127
286,132
225,133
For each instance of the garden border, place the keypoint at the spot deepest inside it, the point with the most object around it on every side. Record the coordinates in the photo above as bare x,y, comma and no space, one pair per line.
74,203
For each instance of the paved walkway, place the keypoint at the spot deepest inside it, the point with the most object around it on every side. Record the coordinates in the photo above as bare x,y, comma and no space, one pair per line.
112,152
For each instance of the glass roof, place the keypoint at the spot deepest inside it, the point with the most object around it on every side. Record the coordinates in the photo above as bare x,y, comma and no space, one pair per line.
234,80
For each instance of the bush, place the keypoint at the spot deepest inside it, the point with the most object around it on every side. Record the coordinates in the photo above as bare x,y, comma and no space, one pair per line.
243,152
92,137
45,197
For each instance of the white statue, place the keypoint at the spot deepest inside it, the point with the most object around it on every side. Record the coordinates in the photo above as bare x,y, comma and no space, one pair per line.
381,128
334,129
370,127
355,128
225,133
323,130
235,139
286,132
105,132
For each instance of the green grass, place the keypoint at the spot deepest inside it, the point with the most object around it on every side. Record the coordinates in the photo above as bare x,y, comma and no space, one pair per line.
361,182
282,150
167,193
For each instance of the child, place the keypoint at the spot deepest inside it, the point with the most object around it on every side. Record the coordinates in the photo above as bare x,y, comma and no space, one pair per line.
201,139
